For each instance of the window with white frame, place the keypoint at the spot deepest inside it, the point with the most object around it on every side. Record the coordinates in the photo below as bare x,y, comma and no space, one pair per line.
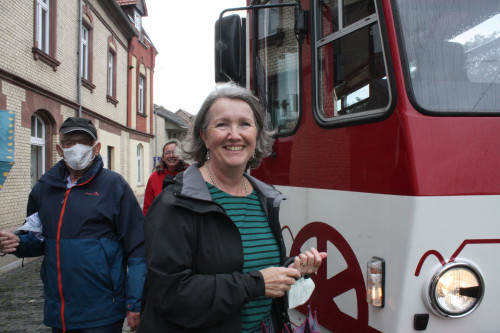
141,93
137,20
87,49
111,70
84,52
45,32
139,164
37,149
43,25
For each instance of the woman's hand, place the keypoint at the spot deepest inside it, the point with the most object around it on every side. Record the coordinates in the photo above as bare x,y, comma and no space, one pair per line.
278,280
8,242
308,262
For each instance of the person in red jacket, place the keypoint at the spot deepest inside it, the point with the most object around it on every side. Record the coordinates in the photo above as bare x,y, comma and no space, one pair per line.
171,165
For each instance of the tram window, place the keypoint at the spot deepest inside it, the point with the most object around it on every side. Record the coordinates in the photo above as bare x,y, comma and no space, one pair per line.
452,51
352,77
356,10
332,19
329,17
277,67
269,21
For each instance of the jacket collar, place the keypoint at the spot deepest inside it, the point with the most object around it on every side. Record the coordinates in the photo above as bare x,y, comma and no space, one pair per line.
191,184
58,174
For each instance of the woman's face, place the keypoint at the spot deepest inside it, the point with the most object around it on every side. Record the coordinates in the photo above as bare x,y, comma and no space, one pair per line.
231,134
169,156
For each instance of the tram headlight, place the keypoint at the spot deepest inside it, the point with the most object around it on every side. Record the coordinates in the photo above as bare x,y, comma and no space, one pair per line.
455,290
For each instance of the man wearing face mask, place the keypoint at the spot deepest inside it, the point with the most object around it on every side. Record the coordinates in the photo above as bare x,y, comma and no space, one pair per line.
87,222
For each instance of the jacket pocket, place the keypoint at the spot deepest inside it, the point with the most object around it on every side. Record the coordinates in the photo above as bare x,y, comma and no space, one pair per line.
114,263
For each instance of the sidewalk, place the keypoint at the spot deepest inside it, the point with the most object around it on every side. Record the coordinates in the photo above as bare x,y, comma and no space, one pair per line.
21,301
140,198
8,263
21,295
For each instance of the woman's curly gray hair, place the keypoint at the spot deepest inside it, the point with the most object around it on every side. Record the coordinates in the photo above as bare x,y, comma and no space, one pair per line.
178,151
194,147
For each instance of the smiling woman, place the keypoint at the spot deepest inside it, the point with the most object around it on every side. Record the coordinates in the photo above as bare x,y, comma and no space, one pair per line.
230,138
203,273
169,166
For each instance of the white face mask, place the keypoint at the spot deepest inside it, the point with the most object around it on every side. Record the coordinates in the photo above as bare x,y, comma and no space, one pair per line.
79,156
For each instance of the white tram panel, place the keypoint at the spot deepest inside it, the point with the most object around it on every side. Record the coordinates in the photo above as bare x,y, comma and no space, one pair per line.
401,229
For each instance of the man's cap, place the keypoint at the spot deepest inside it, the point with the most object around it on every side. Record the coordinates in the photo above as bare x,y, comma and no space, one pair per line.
73,124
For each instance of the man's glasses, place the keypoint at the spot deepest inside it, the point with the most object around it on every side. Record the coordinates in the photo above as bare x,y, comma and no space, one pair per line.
68,143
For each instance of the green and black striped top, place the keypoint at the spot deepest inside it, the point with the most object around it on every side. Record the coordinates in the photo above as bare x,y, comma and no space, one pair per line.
260,248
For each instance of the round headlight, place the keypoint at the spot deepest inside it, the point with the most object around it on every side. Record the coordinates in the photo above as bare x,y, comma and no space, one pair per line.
456,290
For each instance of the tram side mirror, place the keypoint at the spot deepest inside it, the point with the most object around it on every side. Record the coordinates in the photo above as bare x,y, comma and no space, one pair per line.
230,52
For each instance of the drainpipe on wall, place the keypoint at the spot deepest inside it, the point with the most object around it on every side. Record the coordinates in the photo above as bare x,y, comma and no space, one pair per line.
79,78
156,135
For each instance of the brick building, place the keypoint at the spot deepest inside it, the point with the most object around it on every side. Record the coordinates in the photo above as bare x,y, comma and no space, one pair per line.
45,47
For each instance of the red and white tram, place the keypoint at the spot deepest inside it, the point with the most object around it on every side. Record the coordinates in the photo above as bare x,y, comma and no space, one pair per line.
387,148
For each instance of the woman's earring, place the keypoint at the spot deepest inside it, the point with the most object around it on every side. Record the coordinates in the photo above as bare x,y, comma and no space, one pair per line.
253,156
208,155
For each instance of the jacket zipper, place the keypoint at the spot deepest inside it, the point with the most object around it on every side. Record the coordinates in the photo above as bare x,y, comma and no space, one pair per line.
58,252
59,275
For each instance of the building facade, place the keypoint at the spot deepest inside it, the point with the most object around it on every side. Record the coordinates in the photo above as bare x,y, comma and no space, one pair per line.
46,47
169,125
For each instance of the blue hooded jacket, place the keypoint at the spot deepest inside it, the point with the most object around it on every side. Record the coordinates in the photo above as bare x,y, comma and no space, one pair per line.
94,265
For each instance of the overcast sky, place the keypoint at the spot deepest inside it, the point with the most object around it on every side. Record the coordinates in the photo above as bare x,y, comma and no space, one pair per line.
183,33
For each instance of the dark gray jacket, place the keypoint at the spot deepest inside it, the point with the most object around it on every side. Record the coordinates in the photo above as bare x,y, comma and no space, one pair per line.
195,258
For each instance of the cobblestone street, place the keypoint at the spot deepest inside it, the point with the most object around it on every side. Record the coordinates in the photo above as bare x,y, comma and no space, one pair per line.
21,300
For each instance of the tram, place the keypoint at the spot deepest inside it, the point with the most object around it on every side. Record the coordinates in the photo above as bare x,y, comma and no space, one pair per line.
387,147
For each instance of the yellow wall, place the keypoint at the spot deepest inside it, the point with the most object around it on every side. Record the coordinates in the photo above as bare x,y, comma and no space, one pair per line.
113,140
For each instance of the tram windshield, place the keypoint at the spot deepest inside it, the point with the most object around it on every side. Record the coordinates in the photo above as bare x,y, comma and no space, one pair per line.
452,54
